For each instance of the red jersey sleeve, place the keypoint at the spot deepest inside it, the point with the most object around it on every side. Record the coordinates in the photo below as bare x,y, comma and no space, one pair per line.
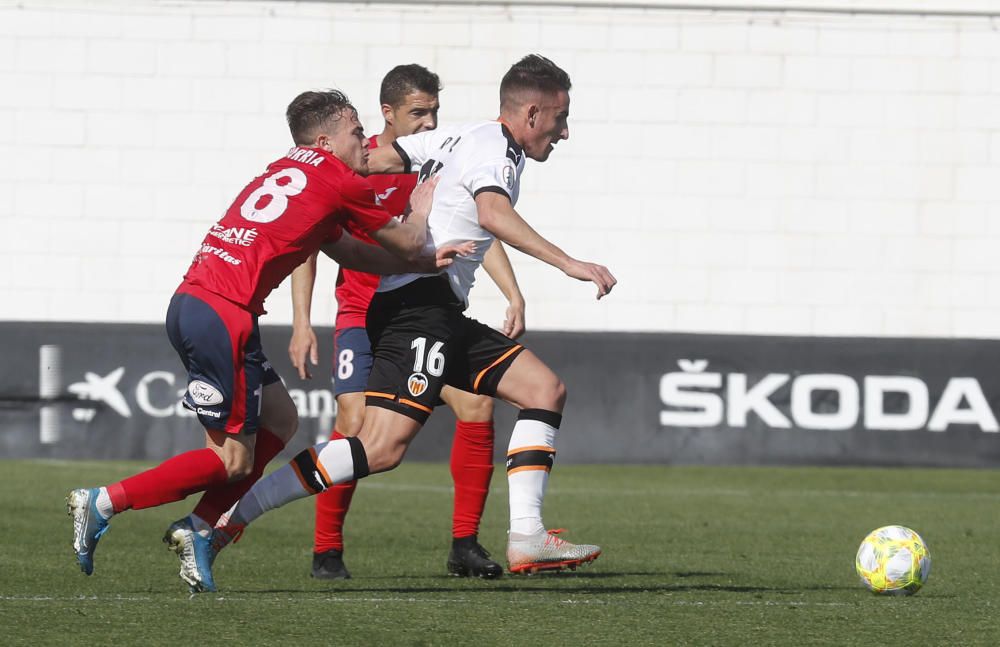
364,212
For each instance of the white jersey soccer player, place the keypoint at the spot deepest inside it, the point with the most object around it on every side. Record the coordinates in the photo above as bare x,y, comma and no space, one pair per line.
468,160
421,340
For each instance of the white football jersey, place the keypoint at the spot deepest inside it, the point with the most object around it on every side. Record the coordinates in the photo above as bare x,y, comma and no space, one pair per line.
468,159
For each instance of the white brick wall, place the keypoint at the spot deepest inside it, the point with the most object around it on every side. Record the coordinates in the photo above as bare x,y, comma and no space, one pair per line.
769,172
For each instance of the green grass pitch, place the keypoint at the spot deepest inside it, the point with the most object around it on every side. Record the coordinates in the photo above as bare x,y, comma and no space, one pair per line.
692,556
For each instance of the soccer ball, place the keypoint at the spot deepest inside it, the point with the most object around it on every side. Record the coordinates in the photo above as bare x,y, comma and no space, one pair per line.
893,560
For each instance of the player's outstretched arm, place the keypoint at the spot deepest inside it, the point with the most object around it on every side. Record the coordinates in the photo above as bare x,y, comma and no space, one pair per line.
407,239
356,255
499,218
385,159
303,344
497,265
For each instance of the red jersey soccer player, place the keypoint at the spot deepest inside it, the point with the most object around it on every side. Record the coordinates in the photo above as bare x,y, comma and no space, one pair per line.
298,206
409,98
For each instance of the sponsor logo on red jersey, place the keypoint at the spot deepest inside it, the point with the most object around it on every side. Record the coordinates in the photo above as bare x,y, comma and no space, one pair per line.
235,235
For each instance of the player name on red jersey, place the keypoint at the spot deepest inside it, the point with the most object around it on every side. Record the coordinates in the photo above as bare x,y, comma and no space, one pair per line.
306,156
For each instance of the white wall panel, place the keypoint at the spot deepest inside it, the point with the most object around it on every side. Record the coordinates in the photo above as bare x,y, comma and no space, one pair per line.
785,171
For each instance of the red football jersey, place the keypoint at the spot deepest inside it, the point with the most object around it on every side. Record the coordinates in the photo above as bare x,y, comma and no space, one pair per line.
355,289
279,219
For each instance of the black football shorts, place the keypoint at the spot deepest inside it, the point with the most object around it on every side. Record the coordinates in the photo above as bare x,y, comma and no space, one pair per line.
421,341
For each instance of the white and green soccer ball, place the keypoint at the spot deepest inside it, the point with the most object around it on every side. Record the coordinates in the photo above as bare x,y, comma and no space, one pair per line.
893,560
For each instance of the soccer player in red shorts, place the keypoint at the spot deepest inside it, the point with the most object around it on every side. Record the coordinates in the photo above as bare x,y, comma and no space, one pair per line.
409,98
298,206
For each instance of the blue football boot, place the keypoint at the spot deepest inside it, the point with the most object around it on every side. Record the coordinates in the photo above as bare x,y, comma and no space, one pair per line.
88,525
195,552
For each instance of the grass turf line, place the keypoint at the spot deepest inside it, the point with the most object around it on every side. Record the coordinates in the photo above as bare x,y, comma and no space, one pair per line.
693,555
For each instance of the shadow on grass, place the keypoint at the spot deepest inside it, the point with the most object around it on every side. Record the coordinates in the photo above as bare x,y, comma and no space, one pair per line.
537,590
580,582
640,582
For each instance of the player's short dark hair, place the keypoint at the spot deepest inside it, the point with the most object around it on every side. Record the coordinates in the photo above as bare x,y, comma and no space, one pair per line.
407,79
533,73
313,109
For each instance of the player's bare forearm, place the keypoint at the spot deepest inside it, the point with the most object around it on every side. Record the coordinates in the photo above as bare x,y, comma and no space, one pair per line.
353,254
404,241
385,159
303,281
356,255
497,265
407,239
498,217
303,344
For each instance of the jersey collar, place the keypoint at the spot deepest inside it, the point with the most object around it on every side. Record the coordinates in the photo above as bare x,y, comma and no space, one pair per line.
514,151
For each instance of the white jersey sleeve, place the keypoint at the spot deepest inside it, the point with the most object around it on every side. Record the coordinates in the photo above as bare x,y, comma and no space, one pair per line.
497,175
414,150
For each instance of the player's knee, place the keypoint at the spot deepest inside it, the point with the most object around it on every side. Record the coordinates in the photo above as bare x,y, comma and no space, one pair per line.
238,465
477,409
550,394
350,413
240,472
382,452
349,422
281,418
383,459
560,394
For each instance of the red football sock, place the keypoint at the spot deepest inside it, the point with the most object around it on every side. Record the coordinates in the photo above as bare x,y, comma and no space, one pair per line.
171,480
219,499
331,510
471,469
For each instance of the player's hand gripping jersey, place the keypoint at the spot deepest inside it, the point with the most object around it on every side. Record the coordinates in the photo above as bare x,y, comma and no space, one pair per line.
301,201
355,289
469,159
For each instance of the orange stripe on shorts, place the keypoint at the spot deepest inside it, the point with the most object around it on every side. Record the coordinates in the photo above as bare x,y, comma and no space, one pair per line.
475,385
409,403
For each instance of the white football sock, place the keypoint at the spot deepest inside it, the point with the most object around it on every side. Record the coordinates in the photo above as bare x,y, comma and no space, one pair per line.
527,483
103,504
